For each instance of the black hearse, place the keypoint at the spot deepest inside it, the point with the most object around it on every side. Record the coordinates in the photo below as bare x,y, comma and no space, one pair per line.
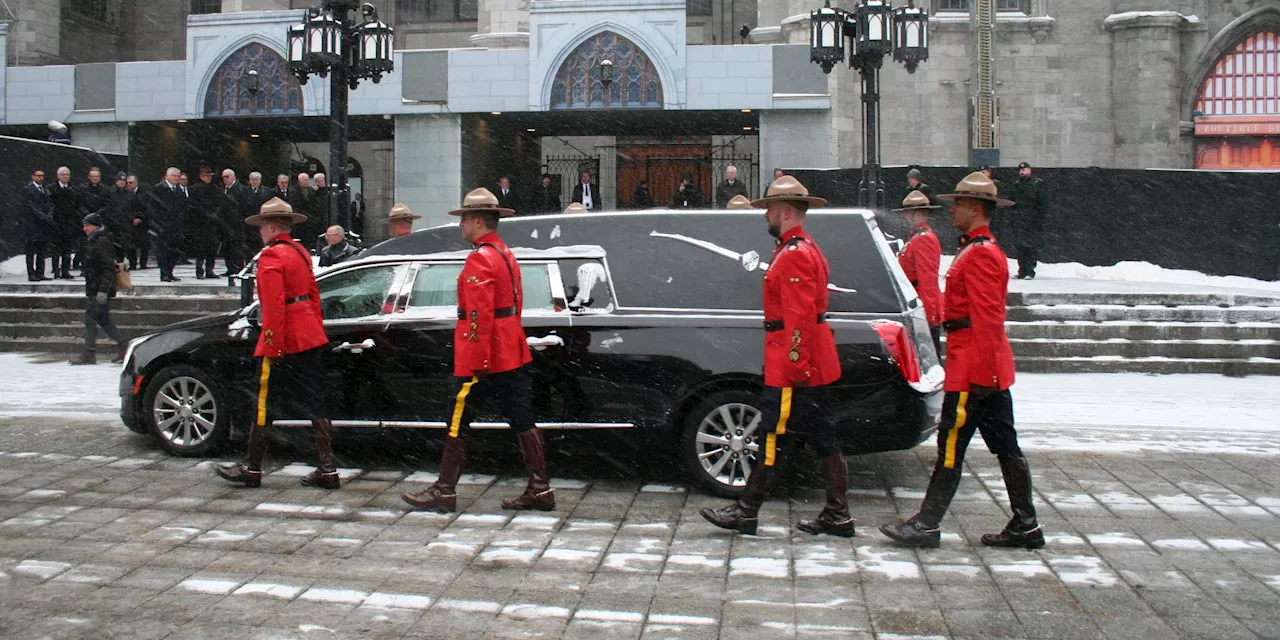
646,322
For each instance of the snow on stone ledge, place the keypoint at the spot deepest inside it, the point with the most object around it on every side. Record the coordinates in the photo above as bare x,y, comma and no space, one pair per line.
1117,18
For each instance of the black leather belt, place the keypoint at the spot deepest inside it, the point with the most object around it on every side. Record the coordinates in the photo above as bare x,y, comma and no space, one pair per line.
956,325
302,298
776,325
500,312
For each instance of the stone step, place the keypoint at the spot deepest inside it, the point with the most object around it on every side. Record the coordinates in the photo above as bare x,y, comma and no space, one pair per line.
1016,298
1144,313
60,345
151,319
192,304
1182,349
1229,367
42,331
1144,330
76,287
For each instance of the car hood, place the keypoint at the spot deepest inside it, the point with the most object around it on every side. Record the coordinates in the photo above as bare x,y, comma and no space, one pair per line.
203,322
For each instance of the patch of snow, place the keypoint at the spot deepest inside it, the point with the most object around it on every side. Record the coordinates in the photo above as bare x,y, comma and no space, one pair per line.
760,567
1082,571
570,555
308,628
824,567
1180,544
378,514
514,556
384,476
426,477
41,569
397,601
1025,568
469,606
600,615
475,519
887,563
586,525
282,591
633,562
534,611
662,488
666,618
1114,540
337,596
279,507
968,571
529,521
1224,544
695,560
43,494
212,587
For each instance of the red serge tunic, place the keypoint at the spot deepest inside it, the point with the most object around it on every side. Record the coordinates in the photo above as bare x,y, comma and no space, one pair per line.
489,337
290,302
977,284
920,260
799,346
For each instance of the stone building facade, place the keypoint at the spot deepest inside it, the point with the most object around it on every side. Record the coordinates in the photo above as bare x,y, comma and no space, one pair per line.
490,87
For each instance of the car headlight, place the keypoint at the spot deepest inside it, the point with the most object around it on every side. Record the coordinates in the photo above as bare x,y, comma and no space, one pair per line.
133,344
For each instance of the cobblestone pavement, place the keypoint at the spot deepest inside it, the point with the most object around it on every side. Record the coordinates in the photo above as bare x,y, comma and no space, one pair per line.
102,536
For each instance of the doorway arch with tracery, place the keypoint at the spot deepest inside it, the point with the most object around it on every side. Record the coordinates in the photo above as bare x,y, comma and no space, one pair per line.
1237,109
253,81
580,81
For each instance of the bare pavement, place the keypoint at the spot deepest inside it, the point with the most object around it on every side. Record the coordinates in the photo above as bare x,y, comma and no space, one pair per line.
1158,493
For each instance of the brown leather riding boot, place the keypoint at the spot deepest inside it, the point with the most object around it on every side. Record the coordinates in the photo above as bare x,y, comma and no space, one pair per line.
538,494
248,472
835,518
326,474
742,515
442,496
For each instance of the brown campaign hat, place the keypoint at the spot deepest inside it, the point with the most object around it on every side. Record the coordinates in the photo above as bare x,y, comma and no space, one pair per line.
402,212
275,210
479,201
787,189
916,200
738,202
979,187
575,207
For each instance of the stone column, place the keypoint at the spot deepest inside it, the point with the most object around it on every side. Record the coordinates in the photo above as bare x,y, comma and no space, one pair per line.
427,167
1145,58
502,24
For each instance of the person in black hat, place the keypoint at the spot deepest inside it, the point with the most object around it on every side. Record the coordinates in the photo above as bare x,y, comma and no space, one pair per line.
545,198
1028,219
99,266
915,182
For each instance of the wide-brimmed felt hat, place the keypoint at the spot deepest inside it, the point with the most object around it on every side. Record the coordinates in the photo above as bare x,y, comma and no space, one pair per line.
916,201
275,210
738,202
479,201
979,187
402,212
575,207
787,189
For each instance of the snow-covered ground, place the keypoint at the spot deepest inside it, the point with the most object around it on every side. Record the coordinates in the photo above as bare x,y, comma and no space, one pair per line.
1127,277
1102,412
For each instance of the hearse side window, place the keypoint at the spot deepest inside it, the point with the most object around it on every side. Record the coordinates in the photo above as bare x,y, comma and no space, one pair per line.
356,293
586,286
437,286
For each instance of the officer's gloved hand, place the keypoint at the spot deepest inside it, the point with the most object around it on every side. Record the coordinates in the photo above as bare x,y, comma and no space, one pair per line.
101,298
979,392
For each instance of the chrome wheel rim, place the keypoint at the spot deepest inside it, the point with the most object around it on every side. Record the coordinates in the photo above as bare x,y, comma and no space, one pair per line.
185,411
726,443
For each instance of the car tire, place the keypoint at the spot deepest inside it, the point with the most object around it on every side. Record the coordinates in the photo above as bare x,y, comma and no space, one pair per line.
717,456
187,412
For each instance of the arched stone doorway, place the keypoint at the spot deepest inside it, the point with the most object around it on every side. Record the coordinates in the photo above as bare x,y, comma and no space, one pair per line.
1237,104
231,92
579,84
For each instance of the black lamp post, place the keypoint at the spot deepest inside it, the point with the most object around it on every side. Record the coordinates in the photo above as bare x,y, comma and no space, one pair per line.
873,29
330,43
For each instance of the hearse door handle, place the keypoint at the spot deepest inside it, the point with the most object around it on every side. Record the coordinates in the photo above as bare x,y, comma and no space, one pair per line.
358,347
542,343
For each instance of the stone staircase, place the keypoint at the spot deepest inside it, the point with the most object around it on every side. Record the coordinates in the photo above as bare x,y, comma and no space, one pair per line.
48,317
1150,333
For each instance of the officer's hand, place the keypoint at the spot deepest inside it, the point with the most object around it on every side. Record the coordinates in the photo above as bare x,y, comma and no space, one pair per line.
979,391
480,374
101,298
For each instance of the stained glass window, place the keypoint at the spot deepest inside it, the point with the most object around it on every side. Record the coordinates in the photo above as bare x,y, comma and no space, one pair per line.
579,84
278,91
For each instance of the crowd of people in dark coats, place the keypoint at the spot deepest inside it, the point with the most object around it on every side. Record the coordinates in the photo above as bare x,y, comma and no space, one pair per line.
183,221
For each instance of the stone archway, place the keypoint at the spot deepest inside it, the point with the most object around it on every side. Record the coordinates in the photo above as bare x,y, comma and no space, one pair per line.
1260,19
229,95
1236,104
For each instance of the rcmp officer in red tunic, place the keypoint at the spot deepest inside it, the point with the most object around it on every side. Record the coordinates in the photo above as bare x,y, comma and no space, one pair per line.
799,362
489,355
291,345
979,373
920,260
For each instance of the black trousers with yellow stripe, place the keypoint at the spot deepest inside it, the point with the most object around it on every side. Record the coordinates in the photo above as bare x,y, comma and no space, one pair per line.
509,390
962,415
292,387
795,411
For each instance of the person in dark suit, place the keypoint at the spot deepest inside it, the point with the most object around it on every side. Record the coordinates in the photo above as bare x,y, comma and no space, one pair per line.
99,288
95,197
642,199
256,195
546,198
283,190
166,211
205,224
688,195
587,194
357,215
135,207
67,204
37,225
730,187
309,204
231,217
507,197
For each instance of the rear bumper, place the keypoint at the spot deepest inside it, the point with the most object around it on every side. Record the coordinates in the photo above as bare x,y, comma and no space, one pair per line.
890,417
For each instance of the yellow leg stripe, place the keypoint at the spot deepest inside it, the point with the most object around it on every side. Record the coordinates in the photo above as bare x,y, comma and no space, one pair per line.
262,392
458,406
770,449
949,461
784,412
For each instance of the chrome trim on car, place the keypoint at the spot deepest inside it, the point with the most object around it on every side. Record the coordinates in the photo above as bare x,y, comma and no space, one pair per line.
367,424
404,424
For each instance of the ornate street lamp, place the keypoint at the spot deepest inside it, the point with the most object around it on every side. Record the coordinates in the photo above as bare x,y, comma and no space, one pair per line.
874,29
331,44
